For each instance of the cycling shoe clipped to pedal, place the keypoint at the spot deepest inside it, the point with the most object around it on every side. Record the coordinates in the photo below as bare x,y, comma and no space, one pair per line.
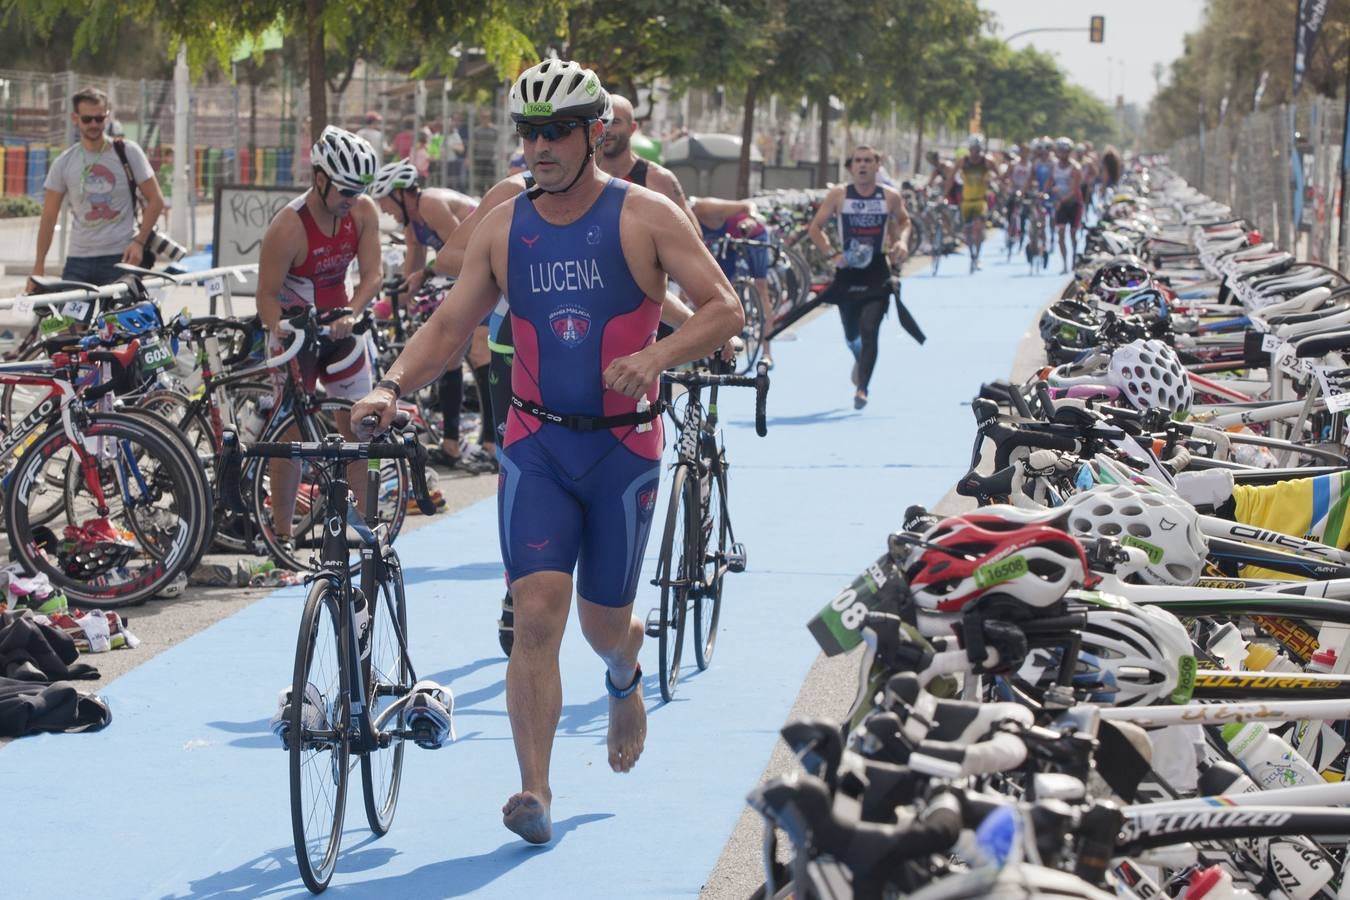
736,558
430,715
313,714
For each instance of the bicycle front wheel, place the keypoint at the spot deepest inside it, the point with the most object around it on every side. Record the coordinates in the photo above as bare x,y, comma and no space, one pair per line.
130,522
317,737
715,540
673,575
388,678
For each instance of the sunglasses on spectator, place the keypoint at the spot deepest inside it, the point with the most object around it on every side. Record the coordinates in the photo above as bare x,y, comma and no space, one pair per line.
90,120
549,131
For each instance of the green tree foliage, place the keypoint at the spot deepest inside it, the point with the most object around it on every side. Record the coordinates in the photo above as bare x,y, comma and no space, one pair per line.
1237,41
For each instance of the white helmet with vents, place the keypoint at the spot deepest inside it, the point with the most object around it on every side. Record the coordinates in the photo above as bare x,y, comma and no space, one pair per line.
1165,527
1150,375
1144,651
557,88
345,157
392,177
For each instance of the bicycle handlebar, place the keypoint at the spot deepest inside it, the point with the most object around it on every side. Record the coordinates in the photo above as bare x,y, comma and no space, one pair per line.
759,381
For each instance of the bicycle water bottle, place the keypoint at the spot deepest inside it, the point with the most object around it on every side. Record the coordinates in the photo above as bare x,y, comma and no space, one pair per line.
1270,761
1215,884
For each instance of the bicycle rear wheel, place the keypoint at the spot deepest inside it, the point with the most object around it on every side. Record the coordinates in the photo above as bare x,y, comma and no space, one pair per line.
673,574
307,522
127,546
753,332
317,737
388,678
715,531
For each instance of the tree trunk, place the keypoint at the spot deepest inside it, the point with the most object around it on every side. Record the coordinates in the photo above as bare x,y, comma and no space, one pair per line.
318,68
918,144
747,139
823,148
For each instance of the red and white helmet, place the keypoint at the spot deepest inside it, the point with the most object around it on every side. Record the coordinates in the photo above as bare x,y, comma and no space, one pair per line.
971,555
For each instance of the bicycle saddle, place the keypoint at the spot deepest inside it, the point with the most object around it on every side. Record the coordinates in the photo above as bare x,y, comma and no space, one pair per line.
48,285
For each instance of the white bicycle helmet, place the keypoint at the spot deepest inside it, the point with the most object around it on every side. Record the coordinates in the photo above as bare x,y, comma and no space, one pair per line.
557,88
1150,375
345,157
975,142
1143,650
1165,527
394,176
1063,143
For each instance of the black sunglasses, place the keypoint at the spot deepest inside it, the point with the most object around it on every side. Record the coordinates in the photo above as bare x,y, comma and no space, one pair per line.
349,193
549,131
90,120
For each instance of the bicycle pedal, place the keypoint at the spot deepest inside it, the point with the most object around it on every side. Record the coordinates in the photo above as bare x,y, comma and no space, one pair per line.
653,628
430,716
736,558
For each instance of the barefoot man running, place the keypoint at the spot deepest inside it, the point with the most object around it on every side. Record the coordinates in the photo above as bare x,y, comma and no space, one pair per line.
579,257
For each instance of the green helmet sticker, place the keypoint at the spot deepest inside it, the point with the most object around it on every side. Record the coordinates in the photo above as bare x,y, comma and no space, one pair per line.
1186,667
539,108
592,86
1000,571
367,179
1155,553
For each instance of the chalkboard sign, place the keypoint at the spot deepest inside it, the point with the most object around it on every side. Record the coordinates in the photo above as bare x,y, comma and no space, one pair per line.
243,212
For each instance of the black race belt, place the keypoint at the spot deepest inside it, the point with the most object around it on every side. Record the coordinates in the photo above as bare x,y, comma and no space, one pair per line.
587,423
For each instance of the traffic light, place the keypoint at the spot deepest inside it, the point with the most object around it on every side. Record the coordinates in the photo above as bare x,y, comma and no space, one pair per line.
1095,28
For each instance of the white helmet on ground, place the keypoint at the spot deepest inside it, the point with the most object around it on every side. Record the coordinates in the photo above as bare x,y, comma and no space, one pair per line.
394,176
346,158
1164,526
1150,375
557,88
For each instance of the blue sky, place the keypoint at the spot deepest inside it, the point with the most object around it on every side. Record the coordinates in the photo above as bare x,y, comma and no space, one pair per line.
1138,34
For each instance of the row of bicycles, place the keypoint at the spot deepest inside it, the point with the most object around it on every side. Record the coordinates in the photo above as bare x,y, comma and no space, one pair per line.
1123,672
114,416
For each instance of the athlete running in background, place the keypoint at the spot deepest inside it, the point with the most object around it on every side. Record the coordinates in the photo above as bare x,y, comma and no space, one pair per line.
579,257
428,217
977,177
1019,182
303,262
1066,180
874,236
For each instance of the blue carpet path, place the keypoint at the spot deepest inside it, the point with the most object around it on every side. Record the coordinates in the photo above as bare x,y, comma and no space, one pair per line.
185,795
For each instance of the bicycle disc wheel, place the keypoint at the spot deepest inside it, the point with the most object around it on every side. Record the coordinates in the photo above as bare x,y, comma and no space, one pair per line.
672,573
317,738
716,539
123,548
388,677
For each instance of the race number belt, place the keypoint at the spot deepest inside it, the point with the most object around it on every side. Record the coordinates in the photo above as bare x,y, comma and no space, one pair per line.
587,423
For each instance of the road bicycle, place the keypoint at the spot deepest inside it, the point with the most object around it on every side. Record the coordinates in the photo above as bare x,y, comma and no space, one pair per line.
698,544
357,687
107,505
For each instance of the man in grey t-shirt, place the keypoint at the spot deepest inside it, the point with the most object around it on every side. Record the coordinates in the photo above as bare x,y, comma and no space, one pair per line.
90,176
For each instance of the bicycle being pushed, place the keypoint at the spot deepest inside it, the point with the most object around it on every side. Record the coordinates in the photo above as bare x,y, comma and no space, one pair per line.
698,544
357,690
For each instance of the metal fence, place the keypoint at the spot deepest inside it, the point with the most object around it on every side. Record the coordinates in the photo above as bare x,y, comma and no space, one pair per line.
1249,166
241,133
